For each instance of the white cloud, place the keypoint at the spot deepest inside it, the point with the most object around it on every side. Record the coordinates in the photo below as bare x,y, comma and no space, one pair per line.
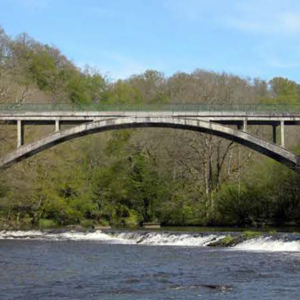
256,16
260,20
100,12
276,63
33,4
274,54
118,66
193,10
291,21
122,66
268,29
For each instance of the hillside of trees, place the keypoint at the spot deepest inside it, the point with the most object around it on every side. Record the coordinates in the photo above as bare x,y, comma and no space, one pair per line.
129,177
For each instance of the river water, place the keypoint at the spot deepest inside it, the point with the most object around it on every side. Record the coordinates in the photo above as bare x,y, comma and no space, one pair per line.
146,266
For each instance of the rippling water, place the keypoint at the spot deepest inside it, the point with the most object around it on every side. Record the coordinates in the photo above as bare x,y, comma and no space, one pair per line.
146,265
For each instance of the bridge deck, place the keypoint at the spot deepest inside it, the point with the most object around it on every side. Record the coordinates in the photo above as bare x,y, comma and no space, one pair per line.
224,117
227,114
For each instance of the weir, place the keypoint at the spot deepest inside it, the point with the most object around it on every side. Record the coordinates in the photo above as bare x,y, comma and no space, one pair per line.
212,119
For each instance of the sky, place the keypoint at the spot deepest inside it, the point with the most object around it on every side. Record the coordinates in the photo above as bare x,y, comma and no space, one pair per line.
249,38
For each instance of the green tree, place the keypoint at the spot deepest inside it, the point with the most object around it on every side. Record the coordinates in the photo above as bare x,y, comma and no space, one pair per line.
285,90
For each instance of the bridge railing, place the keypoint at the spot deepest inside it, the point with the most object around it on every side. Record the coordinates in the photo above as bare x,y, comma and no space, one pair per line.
53,107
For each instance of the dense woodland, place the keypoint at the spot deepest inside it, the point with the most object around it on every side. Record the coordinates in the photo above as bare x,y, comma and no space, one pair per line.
128,177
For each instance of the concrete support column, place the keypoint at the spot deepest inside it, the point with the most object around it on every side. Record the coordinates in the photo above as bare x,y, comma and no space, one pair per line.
20,135
282,133
245,124
274,134
57,126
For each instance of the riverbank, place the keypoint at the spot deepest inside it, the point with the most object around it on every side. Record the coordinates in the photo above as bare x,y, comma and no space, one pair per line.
49,224
87,226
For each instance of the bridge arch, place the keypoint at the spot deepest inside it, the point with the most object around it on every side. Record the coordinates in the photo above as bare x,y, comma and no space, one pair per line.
274,151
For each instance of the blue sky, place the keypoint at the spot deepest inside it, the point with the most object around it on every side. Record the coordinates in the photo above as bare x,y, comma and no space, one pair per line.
256,38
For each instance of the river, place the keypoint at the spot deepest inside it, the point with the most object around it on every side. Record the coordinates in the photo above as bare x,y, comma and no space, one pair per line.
146,266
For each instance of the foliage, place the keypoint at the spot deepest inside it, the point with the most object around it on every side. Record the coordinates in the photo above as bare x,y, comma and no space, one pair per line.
129,177
243,206
251,234
284,90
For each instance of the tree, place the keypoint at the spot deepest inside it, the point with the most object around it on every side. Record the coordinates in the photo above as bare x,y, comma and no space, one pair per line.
284,90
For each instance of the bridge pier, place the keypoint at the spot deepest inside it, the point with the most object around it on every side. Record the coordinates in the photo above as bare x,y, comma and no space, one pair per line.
57,126
242,125
245,124
282,133
20,133
274,134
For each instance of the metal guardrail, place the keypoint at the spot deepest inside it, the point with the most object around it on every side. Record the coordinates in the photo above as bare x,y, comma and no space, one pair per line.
36,107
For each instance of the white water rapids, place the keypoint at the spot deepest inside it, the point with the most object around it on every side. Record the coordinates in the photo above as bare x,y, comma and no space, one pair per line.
266,243
150,238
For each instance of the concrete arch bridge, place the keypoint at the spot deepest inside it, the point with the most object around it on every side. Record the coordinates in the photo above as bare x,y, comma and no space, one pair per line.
211,119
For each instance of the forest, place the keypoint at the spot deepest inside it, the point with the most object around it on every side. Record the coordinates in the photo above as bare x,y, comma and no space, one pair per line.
128,177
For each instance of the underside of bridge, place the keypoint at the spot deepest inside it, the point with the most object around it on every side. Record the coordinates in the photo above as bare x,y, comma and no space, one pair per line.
269,149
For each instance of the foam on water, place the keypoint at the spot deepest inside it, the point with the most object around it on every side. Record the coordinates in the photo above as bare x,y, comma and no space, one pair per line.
268,244
69,235
154,238
89,236
145,238
169,239
11,235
